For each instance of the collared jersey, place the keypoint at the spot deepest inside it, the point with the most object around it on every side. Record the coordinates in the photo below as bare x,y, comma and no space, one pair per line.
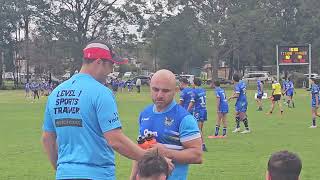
171,127
79,111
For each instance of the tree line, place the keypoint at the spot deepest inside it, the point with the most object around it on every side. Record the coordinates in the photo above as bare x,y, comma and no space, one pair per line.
174,34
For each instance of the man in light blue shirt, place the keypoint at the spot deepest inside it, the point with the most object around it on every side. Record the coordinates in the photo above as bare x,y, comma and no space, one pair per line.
175,129
82,126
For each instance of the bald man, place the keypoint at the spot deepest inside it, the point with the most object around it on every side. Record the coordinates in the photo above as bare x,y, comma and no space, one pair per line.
175,129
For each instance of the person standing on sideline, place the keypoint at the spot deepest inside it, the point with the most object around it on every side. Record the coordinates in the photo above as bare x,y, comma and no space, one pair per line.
81,126
175,130
241,105
138,85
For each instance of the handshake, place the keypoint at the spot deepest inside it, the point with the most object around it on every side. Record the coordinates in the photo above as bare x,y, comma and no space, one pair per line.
146,142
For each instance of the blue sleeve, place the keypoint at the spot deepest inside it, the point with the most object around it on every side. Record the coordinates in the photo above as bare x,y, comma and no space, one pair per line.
237,89
217,94
189,129
107,112
192,96
182,95
48,123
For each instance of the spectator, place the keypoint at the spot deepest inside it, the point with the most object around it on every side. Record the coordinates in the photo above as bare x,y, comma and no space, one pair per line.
138,85
284,165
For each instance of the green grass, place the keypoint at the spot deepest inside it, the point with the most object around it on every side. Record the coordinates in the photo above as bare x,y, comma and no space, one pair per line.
238,157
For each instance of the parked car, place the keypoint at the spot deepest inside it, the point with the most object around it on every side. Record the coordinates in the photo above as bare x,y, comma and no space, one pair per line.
254,76
222,81
145,80
189,77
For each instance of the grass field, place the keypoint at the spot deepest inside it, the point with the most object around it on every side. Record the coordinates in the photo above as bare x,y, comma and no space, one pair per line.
238,157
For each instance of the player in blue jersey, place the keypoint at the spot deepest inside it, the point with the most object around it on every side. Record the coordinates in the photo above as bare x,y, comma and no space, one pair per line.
186,95
176,131
259,94
200,109
222,110
289,90
81,126
284,88
241,104
314,101
27,89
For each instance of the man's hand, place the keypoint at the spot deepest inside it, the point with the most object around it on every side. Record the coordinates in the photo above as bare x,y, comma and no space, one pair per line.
160,148
170,164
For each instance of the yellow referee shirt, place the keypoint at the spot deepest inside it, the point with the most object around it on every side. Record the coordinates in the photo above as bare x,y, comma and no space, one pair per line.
277,88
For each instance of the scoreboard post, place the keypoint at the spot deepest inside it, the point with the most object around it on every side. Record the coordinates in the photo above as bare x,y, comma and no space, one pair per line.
293,55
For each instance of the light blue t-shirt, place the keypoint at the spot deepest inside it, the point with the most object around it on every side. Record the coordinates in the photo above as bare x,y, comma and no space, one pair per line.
79,111
171,127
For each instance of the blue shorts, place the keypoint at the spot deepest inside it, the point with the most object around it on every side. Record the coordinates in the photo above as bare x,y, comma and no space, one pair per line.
241,107
259,95
289,93
201,115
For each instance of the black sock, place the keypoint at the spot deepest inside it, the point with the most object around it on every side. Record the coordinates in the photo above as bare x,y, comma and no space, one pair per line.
246,123
313,121
217,130
224,131
237,121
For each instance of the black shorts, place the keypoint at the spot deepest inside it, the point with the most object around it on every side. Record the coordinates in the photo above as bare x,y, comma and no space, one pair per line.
276,97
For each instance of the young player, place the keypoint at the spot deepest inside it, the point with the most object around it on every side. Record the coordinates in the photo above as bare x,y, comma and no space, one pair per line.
314,101
289,90
222,110
276,96
27,89
186,96
241,104
200,109
259,94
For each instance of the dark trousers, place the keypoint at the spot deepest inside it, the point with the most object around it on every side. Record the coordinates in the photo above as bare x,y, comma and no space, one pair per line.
138,89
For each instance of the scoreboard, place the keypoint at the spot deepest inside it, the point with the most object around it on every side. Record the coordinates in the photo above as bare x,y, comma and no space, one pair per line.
293,55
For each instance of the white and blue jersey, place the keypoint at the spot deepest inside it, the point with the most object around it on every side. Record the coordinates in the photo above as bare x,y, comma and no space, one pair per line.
314,93
171,127
259,89
241,103
200,109
187,96
223,104
290,88
80,111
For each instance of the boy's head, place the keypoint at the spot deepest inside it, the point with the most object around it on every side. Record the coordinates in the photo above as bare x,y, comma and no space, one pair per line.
152,167
236,77
197,82
284,165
